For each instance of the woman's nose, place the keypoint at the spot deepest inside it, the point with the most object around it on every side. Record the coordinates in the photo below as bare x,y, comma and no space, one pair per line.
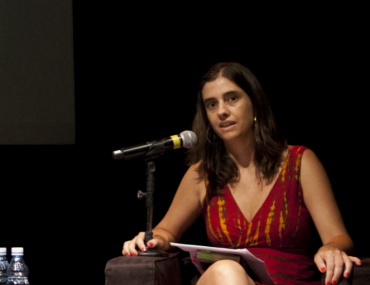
223,111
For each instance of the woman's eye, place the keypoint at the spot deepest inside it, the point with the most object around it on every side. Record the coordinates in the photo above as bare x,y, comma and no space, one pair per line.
211,105
233,98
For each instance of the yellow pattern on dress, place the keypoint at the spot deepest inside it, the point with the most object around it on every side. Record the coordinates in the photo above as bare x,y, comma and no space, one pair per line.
286,205
249,233
282,219
298,149
210,224
219,238
221,204
240,230
255,238
283,171
270,220
281,227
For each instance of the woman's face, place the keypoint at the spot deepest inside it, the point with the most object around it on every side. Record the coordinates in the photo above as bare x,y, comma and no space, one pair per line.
229,109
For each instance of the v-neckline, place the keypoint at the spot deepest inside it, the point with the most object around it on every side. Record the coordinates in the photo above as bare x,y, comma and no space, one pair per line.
269,194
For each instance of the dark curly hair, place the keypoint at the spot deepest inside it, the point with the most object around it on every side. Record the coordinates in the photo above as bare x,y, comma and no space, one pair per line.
215,163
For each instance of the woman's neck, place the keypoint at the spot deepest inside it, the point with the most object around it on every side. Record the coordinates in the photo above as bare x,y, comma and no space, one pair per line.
242,152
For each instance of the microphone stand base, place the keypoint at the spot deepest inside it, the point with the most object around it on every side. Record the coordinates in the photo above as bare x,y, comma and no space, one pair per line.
153,252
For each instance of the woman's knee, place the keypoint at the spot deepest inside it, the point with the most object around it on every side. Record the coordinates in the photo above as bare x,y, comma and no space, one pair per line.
225,272
226,267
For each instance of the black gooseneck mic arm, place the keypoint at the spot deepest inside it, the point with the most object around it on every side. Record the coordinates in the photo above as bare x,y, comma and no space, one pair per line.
186,139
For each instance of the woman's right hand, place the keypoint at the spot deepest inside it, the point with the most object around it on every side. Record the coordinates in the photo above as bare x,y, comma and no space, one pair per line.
130,246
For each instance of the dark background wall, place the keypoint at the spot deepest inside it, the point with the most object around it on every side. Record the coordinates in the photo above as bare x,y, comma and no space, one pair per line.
37,78
136,72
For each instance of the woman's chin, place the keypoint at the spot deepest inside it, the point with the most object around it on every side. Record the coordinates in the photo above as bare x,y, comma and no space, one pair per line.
229,136
233,137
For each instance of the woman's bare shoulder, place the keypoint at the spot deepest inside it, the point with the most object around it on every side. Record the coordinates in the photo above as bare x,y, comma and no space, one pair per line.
193,172
193,182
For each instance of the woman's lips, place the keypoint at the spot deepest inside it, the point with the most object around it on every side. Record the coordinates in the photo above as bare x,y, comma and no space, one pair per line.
227,124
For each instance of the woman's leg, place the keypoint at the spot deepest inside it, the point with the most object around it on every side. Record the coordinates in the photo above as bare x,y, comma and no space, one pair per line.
224,272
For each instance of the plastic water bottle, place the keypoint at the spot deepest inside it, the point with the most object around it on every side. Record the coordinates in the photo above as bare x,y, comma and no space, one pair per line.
18,270
4,265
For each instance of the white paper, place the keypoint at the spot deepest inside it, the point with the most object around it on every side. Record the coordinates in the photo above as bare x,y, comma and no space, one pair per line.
257,265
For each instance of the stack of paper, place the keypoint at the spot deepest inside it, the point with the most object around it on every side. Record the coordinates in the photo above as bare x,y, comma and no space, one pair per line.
208,253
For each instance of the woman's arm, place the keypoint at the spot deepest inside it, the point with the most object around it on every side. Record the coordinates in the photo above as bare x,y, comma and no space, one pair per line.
320,201
184,210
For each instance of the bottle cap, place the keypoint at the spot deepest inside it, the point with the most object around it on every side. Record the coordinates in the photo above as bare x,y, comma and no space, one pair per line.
17,250
2,250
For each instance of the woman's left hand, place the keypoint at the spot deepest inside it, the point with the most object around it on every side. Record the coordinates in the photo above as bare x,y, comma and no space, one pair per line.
320,201
334,262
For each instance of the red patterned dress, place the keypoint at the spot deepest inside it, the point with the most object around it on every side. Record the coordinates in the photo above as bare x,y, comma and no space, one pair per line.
281,231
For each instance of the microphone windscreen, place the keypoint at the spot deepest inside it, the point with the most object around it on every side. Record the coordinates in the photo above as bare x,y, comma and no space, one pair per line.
189,139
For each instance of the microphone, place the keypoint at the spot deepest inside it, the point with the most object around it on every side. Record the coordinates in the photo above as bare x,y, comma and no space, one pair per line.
186,139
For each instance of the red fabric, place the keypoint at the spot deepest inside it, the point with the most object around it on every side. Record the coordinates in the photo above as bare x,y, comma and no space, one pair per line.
281,231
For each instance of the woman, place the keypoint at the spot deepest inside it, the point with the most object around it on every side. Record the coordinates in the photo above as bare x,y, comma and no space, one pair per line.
253,190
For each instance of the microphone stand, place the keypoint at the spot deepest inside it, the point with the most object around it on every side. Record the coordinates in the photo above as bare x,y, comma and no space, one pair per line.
157,150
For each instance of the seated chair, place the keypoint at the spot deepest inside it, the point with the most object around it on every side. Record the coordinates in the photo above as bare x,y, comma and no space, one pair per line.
177,269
